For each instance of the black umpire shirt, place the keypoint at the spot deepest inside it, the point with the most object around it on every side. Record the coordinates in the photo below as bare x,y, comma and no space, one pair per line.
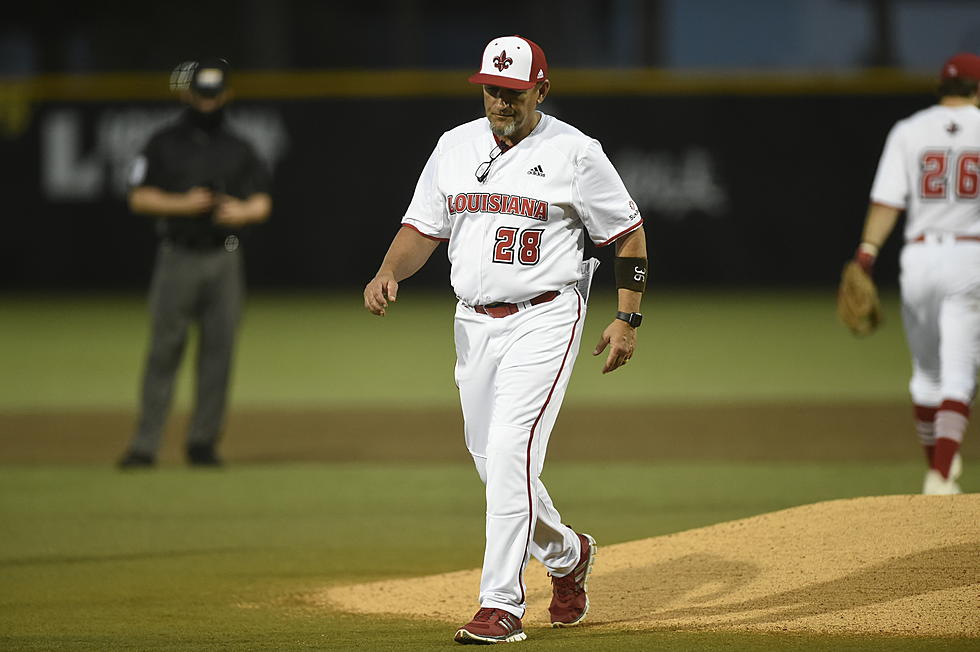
199,150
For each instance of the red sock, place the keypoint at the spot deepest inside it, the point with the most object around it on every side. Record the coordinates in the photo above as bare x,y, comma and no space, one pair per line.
951,422
942,459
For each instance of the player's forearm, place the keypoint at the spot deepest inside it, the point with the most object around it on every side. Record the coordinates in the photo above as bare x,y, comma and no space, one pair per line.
879,224
628,300
631,245
408,252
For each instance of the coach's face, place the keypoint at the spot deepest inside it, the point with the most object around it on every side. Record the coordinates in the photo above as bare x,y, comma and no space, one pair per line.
512,113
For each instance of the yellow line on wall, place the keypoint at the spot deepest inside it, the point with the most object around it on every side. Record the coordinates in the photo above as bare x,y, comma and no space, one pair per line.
298,85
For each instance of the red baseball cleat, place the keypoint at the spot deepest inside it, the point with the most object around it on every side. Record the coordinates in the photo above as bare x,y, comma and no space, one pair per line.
569,601
491,626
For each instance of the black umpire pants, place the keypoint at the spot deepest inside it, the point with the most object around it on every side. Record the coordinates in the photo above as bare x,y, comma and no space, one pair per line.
190,286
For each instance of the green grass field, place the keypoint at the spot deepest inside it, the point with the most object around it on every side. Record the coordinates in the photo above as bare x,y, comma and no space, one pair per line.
179,559
311,350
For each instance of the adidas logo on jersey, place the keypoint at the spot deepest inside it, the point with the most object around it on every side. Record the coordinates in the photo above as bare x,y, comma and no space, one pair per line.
536,171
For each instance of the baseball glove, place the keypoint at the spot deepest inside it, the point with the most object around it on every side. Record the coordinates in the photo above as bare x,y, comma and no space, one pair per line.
857,300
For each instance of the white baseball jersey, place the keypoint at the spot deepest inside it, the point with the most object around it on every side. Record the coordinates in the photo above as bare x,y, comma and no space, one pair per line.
519,233
931,167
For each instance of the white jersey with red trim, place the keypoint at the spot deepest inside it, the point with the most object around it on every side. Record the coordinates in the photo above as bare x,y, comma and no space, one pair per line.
931,167
520,231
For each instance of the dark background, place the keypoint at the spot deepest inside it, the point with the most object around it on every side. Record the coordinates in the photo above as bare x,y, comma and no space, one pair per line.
793,142
797,171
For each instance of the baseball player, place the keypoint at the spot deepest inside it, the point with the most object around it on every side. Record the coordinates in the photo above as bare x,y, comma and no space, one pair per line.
930,168
513,193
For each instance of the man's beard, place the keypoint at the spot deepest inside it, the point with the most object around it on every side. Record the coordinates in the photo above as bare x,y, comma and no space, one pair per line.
504,131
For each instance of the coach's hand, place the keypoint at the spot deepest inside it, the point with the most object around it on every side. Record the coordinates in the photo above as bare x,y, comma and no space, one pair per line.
620,337
381,289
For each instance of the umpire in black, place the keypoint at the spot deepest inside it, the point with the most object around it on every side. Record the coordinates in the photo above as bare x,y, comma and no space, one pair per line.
204,185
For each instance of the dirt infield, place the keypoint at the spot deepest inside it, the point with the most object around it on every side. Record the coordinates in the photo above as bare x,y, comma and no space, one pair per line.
742,432
901,565
896,565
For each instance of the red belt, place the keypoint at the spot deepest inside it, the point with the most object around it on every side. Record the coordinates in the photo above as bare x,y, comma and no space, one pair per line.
498,310
973,238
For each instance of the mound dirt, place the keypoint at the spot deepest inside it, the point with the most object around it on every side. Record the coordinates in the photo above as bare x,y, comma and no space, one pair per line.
899,565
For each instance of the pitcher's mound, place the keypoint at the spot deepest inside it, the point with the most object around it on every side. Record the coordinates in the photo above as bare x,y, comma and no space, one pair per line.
891,565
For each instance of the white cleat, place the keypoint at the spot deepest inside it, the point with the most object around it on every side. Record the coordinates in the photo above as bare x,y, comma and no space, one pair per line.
936,485
956,468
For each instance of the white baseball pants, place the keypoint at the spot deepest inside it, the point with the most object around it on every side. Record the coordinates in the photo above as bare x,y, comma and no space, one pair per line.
940,284
512,373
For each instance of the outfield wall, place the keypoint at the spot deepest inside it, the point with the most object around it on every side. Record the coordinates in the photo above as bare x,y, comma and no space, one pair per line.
742,180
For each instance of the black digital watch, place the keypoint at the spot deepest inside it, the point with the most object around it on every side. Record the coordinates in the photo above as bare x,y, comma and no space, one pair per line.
634,319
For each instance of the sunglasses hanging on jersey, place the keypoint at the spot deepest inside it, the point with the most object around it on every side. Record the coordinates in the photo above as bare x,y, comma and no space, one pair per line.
483,170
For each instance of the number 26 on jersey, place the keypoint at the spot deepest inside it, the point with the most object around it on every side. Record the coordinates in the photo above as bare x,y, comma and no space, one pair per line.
936,174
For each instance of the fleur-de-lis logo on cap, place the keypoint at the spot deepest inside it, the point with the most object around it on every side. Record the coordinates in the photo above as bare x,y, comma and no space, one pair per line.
502,61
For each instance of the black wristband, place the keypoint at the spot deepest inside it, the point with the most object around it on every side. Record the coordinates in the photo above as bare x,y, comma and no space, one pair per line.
634,319
631,273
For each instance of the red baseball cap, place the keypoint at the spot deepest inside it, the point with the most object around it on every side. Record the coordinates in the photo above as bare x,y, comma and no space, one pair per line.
512,62
963,64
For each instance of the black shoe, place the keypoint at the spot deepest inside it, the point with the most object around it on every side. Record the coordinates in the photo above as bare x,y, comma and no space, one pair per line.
203,456
134,460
